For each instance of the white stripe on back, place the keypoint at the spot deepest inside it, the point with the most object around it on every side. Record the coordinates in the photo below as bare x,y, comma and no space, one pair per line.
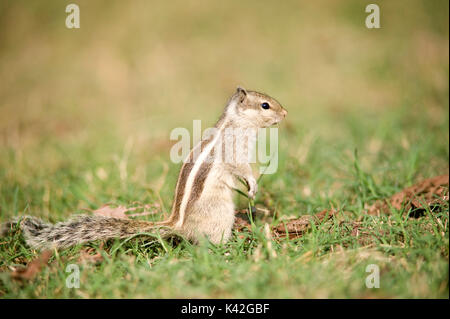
190,180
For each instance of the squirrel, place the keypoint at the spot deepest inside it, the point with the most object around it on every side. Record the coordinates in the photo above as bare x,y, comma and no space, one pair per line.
203,202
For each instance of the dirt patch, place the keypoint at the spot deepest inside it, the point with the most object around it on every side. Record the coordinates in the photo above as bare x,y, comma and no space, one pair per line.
293,228
430,193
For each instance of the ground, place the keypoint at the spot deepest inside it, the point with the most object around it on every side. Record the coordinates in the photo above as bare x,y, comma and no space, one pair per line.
86,115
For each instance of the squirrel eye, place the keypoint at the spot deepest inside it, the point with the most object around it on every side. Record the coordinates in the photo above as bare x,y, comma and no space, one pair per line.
265,105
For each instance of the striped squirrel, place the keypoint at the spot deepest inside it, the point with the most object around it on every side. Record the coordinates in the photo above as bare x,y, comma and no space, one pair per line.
203,202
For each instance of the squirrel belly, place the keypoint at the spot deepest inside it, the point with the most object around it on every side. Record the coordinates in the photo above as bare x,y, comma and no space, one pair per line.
203,202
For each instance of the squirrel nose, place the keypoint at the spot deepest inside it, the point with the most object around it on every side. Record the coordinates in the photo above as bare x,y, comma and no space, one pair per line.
284,112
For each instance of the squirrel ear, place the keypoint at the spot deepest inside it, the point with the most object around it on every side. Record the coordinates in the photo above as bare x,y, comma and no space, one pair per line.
241,93
240,89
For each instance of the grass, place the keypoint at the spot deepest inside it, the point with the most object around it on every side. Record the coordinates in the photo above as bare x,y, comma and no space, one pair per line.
85,118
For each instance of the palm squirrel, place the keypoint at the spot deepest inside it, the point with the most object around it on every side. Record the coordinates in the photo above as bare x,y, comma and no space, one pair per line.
203,203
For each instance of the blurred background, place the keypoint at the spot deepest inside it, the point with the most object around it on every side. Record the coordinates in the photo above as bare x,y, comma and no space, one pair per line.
79,105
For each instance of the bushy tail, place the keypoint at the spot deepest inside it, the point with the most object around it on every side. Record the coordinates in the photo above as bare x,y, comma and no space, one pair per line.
79,229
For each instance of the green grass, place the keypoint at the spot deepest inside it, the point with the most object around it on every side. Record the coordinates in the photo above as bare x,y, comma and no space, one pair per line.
85,118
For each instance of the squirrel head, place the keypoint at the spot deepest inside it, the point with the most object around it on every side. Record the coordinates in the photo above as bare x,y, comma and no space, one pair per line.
257,109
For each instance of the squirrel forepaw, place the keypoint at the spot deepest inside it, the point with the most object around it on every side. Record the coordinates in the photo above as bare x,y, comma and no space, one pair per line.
252,187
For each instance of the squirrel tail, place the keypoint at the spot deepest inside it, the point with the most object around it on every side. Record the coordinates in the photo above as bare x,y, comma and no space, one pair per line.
80,229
